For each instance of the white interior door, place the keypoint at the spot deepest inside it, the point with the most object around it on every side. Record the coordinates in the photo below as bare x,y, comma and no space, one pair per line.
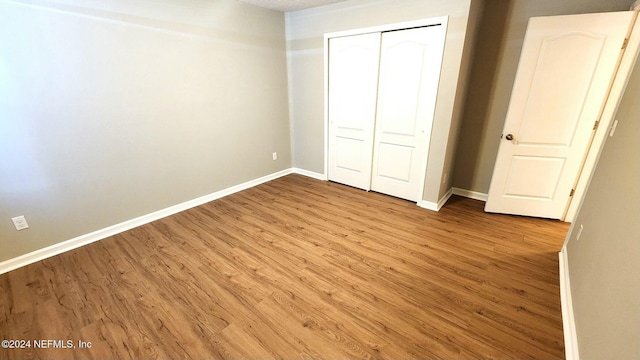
353,83
565,68
410,64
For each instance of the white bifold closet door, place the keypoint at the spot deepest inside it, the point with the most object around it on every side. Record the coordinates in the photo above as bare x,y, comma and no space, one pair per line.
382,94
353,84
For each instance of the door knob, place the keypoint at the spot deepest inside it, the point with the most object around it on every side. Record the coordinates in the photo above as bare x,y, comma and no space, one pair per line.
509,137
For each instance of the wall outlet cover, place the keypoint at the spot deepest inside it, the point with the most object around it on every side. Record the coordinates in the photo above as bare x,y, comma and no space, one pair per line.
20,222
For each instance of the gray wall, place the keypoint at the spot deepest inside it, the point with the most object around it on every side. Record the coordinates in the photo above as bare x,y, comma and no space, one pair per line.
499,42
604,265
305,34
114,109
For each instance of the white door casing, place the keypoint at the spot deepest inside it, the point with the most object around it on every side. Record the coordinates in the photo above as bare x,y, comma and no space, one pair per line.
410,64
564,73
353,74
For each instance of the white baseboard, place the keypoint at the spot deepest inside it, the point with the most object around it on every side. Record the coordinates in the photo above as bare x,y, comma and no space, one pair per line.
470,194
55,249
568,322
433,206
311,174
49,251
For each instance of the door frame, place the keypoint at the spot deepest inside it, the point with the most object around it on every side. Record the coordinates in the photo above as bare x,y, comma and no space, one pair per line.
442,20
618,86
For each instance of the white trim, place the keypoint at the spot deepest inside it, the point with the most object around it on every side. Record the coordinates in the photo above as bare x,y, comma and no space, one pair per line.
470,194
64,246
388,27
326,103
291,107
611,107
429,205
311,174
55,249
568,321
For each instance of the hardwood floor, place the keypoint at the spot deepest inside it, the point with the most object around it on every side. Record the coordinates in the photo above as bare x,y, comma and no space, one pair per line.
299,268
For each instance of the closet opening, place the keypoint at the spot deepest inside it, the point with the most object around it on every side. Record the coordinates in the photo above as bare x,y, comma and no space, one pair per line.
381,86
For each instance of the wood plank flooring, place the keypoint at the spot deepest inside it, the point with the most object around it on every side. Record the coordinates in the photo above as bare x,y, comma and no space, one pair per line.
298,269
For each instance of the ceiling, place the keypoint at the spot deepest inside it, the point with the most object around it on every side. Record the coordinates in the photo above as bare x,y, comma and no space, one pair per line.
290,5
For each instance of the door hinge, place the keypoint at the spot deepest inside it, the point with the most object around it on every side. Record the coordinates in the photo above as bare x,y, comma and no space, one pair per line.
595,126
625,43
573,191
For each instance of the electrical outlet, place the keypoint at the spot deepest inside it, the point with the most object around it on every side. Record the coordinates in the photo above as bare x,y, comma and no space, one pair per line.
20,222
275,156
579,232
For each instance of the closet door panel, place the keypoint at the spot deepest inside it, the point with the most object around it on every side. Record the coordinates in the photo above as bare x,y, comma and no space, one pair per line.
353,82
400,96
394,161
410,64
